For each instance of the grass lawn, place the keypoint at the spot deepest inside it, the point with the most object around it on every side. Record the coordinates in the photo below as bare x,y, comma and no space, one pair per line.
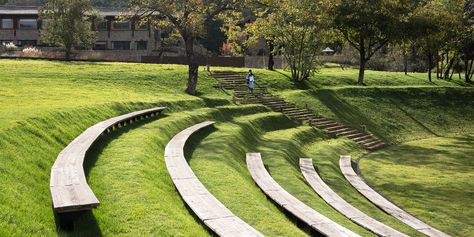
31,88
45,105
430,178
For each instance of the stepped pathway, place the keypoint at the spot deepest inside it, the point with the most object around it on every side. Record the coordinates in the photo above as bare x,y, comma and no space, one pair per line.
236,81
345,164
331,197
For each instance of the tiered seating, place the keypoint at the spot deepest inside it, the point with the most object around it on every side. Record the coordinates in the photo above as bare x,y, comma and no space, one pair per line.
69,189
345,164
307,215
326,193
206,207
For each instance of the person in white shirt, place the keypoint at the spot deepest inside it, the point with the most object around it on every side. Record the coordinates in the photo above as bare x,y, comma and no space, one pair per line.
251,81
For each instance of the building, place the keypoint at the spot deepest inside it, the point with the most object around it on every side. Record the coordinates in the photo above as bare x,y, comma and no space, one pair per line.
21,26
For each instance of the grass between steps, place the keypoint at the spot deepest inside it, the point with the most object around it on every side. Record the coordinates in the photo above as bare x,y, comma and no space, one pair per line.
431,178
27,152
138,197
304,141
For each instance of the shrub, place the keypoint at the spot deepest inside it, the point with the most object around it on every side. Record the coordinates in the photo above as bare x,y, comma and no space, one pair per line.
10,46
31,52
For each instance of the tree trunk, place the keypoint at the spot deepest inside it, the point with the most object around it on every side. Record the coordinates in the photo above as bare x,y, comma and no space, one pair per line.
469,71
361,70
466,70
193,66
271,61
438,68
68,52
405,62
449,65
430,63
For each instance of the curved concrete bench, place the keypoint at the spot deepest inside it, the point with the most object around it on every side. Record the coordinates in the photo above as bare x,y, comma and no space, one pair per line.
345,164
354,214
69,189
207,208
306,214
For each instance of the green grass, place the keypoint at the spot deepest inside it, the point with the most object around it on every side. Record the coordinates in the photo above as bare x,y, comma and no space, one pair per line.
394,114
45,105
334,77
34,88
431,178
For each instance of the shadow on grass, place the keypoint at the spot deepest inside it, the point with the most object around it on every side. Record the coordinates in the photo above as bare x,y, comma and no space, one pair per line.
346,112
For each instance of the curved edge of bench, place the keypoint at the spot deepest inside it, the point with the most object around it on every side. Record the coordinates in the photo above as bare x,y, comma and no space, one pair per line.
288,202
69,189
339,204
345,164
205,206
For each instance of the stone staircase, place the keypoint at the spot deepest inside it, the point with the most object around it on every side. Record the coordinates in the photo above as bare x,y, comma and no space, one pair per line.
236,81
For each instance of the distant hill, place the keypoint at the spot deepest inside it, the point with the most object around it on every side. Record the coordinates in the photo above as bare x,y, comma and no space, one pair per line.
97,3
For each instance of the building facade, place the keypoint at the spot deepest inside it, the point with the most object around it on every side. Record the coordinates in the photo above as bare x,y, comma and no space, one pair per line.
21,26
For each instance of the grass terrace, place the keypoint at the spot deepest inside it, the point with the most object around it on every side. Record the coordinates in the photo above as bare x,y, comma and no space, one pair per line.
45,105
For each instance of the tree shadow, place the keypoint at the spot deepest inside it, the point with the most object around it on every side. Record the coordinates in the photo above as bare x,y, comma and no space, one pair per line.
346,112
399,107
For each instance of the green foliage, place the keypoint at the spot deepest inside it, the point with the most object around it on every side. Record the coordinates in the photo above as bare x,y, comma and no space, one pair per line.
188,18
369,25
299,28
67,23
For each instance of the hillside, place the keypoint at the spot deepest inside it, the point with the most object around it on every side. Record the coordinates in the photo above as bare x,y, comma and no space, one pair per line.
44,105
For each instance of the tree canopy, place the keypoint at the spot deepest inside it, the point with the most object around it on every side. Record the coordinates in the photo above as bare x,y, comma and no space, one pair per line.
67,24
188,18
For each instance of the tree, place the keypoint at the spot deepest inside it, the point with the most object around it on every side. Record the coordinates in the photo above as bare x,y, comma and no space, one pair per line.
440,29
467,48
298,29
369,25
188,17
67,24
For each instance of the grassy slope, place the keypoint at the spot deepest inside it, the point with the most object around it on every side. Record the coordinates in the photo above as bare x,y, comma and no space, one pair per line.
34,88
44,105
30,124
396,115
445,198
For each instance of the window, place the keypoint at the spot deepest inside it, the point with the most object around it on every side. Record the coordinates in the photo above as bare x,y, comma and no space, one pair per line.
102,25
121,45
100,45
7,23
141,45
23,43
27,24
4,42
121,25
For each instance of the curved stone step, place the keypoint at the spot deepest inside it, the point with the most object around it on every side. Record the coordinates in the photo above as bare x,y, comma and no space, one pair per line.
206,207
338,203
285,200
68,186
345,164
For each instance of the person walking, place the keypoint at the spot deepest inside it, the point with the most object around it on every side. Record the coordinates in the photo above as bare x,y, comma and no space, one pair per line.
250,81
